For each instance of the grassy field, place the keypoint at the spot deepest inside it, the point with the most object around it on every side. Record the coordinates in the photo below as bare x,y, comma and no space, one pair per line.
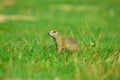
28,53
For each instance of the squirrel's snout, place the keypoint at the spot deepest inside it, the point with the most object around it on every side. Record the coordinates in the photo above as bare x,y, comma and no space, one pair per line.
49,33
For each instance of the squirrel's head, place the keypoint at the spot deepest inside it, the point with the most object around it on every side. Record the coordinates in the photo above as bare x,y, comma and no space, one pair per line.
53,33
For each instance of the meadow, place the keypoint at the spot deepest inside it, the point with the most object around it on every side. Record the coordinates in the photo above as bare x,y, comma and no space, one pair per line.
28,53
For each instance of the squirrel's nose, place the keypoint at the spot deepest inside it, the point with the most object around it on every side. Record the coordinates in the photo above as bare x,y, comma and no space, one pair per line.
49,33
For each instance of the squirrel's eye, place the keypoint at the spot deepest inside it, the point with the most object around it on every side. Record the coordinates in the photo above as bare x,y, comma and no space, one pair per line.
54,31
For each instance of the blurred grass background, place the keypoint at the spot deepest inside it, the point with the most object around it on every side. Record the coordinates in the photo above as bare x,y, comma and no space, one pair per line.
28,53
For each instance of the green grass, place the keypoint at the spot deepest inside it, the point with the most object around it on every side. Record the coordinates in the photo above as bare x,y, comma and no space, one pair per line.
28,53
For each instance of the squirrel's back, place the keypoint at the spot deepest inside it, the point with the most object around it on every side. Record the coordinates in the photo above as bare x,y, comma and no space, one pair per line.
70,44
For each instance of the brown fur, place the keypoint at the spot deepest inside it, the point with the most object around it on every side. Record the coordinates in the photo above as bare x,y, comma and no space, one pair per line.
64,43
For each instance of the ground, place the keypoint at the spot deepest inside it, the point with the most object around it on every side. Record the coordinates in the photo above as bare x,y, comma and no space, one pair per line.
28,53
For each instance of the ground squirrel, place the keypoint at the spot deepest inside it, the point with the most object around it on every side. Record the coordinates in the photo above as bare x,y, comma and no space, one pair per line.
68,44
